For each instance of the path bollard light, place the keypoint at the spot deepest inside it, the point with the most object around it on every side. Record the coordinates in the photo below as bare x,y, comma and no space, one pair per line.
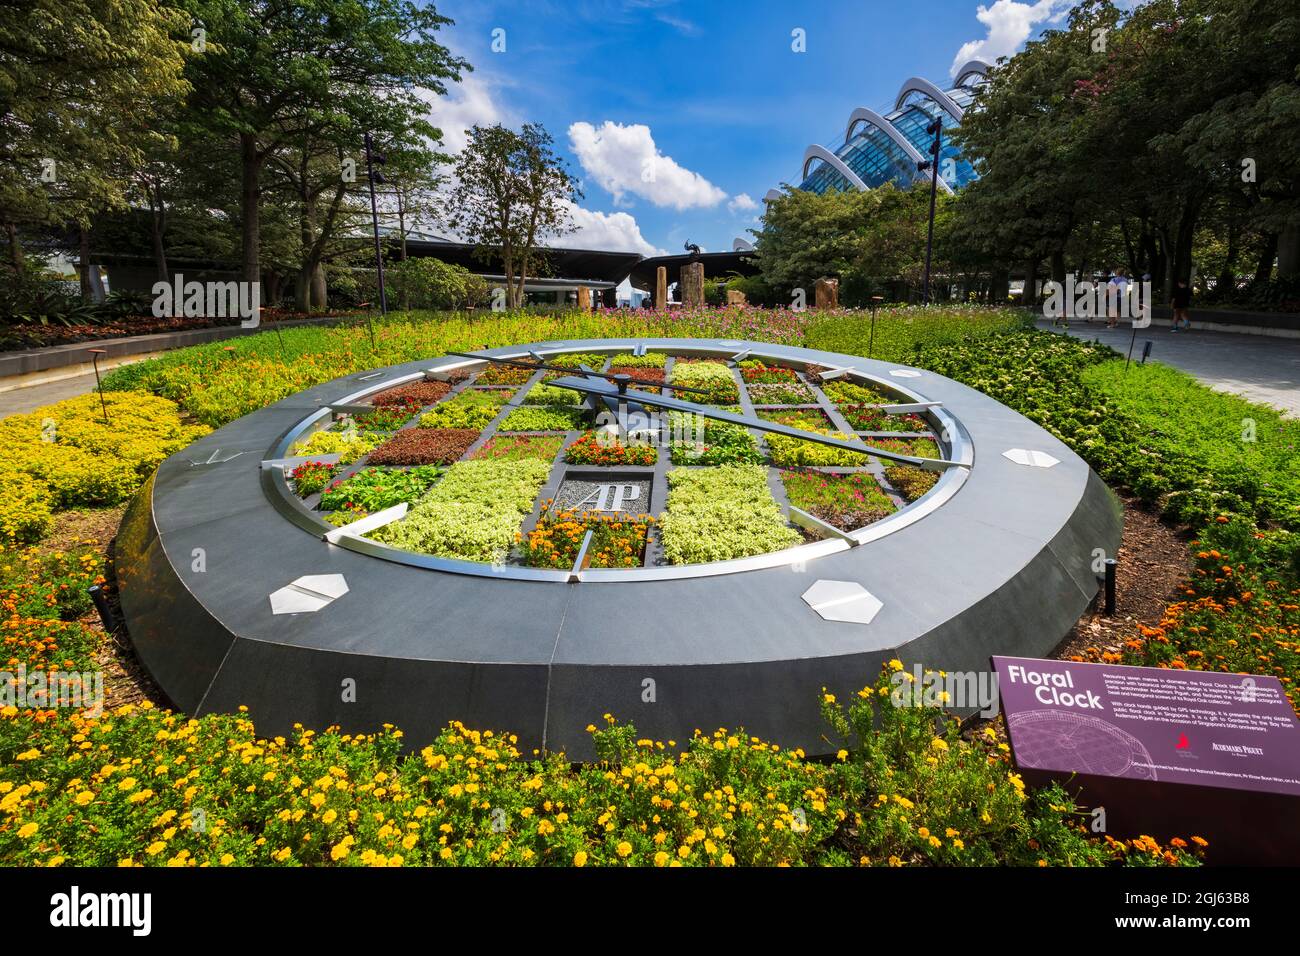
94,359
1110,566
871,343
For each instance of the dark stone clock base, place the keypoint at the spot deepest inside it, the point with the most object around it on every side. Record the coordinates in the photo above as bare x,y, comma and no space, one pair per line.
997,559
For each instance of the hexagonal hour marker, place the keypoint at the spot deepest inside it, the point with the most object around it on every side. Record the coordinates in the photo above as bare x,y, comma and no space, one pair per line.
311,592
1034,459
843,601
904,373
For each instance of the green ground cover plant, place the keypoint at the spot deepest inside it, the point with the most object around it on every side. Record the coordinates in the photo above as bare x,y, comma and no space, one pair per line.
472,408
910,481
809,419
526,419
349,446
713,514
846,501
789,452
373,489
553,395
715,378
705,441
516,447
473,513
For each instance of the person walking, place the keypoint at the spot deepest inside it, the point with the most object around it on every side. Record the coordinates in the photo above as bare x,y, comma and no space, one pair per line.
1181,303
1116,292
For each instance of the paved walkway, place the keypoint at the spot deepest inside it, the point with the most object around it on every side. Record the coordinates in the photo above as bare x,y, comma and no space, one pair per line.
21,400
1261,368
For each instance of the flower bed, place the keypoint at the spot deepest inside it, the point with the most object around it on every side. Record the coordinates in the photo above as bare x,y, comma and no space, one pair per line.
716,443
865,418
756,372
851,393
503,375
599,448
424,446
916,447
349,446
517,447
792,393
789,452
385,418
649,374
715,378
552,395
627,360
616,542
845,501
593,360
311,477
473,513
373,489
809,419
472,408
417,393
910,481
525,419
714,514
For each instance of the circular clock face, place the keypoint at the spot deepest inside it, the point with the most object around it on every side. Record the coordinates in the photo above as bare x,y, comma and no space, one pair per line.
606,463
684,533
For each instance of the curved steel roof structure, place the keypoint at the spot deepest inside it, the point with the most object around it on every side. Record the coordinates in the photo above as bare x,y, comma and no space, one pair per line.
887,148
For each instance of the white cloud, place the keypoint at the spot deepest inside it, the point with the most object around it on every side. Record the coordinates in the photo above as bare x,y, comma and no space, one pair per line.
742,202
624,159
467,103
1009,24
610,231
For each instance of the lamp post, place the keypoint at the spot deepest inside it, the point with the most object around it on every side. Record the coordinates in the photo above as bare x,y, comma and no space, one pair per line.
935,129
373,159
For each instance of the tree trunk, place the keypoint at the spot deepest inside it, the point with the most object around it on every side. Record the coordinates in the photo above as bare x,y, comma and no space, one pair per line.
1227,281
1030,296
15,247
83,267
1058,267
159,222
1267,253
250,206
1288,252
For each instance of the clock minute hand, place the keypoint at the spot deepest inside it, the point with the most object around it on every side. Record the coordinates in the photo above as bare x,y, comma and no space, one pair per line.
608,390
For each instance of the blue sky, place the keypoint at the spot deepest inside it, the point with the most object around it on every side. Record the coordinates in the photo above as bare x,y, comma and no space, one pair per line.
706,99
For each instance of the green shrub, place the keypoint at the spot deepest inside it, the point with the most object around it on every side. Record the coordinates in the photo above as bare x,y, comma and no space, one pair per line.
470,409
789,452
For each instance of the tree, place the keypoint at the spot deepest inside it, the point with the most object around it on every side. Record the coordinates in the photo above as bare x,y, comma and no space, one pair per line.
866,239
512,191
81,85
276,74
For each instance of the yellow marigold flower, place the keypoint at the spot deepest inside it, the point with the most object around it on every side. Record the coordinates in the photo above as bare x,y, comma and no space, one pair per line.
939,743
153,849
27,829
661,858
32,754
445,853
728,860
84,798
227,859
842,755
339,852
896,665
624,849
580,858
329,816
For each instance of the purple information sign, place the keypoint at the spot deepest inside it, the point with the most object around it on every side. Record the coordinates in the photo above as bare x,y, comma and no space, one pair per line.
1147,723
1166,752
